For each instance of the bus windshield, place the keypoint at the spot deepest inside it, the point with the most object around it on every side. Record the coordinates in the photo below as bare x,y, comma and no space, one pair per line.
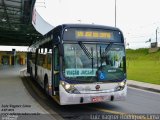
94,62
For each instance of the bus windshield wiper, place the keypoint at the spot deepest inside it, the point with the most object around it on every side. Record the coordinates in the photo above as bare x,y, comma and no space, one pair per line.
88,54
86,51
108,48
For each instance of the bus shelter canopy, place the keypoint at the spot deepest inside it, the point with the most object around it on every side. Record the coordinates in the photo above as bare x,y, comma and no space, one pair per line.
15,23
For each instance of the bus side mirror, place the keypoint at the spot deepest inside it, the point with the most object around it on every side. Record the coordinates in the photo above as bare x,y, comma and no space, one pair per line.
61,50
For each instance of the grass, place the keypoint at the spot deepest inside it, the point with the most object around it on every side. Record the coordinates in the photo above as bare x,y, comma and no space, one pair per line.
143,66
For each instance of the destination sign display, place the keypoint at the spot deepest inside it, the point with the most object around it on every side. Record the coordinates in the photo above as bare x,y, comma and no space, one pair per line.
88,34
93,35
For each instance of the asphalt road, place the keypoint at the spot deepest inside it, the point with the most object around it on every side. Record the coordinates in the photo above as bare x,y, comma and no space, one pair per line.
137,102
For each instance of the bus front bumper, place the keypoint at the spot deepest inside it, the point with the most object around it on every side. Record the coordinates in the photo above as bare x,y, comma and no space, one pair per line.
68,98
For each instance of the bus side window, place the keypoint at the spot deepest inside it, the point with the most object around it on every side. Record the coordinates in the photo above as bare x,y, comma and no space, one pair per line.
49,61
56,67
56,59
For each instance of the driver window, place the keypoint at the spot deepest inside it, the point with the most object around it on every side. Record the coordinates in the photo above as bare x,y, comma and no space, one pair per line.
56,59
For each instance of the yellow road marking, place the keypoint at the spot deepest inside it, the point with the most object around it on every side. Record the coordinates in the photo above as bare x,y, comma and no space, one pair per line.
56,99
109,111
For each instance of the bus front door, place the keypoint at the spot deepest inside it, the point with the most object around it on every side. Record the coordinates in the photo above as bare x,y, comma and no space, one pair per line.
56,72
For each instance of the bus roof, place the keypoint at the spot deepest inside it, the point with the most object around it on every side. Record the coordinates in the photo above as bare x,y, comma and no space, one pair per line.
60,28
91,26
94,26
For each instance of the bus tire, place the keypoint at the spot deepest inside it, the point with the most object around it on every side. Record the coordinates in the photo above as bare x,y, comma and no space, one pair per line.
31,73
46,85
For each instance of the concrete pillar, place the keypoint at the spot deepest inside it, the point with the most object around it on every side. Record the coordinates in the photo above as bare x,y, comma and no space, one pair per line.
10,60
0,59
22,59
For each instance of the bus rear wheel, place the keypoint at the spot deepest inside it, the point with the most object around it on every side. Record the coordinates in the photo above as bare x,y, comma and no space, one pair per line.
31,73
46,85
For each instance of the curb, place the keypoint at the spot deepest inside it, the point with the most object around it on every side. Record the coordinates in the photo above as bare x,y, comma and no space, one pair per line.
37,97
144,88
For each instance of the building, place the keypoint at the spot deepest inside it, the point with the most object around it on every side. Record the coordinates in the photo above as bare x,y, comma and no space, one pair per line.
12,58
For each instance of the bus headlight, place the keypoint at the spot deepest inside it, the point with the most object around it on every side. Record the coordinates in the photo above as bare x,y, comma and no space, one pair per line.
120,86
69,88
62,83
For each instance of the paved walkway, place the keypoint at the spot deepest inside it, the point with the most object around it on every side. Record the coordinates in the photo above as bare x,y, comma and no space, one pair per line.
143,85
15,99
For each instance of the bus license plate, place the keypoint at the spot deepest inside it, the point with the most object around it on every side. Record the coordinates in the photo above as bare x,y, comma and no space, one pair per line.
97,99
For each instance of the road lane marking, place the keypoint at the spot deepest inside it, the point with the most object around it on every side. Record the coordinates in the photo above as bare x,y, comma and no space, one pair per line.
55,98
106,110
144,90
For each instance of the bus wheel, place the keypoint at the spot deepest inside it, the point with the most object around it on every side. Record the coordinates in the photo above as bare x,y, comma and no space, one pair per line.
46,85
31,74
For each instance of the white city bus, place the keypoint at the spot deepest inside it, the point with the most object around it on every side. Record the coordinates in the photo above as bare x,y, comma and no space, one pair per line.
77,64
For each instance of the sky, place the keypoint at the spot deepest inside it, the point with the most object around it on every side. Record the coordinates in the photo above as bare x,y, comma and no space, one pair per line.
138,19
